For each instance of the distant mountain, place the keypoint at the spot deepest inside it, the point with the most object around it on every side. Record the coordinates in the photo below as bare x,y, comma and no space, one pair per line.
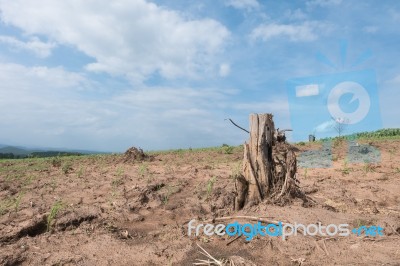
71,150
15,150
25,151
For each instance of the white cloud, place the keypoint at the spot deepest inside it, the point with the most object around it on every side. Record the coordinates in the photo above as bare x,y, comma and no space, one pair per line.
394,14
370,29
325,127
54,107
323,3
14,76
307,90
389,103
280,107
307,31
296,14
35,45
243,4
224,70
395,81
132,38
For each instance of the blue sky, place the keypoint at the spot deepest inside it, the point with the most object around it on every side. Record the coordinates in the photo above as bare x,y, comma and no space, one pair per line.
107,75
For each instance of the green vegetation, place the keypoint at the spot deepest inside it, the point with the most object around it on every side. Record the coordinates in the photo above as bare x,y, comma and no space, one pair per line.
18,201
210,185
363,222
227,149
58,205
11,203
387,133
207,149
67,167
338,141
119,172
80,172
116,182
165,198
345,170
382,133
56,162
236,170
368,167
143,169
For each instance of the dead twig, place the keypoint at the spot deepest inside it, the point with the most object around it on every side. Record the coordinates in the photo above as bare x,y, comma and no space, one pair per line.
212,260
300,261
233,240
318,247
238,125
326,250
394,230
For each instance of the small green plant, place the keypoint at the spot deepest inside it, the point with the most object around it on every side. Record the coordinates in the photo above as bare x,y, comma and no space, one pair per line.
116,182
17,201
53,184
228,149
169,169
236,170
159,186
58,205
5,206
119,172
362,222
392,153
180,153
67,167
143,170
338,141
301,143
167,195
28,180
210,185
368,167
56,161
80,172
345,170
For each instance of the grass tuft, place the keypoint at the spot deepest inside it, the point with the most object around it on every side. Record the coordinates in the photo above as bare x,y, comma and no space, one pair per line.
58,205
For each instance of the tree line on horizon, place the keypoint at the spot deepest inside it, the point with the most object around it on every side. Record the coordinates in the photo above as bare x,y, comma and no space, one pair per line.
40,154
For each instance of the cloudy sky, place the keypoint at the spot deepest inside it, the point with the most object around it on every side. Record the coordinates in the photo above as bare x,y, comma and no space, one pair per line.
107,75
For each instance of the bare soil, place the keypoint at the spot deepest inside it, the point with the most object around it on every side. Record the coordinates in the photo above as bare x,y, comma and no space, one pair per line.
123,210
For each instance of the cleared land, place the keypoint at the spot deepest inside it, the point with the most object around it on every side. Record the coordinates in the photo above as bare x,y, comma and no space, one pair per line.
105,210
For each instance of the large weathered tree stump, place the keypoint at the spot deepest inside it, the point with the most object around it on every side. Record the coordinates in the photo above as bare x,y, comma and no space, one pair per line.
269,165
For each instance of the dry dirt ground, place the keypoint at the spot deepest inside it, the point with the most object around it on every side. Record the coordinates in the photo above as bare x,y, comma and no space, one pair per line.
110,210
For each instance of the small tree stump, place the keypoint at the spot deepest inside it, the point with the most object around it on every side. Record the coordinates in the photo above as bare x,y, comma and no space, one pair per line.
269,167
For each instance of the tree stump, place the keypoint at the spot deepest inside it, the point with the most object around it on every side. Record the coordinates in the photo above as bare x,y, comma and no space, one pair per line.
269,166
